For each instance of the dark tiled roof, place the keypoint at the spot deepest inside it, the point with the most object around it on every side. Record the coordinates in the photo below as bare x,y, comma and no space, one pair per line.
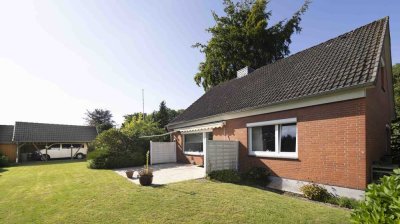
39,132
6,133
346,61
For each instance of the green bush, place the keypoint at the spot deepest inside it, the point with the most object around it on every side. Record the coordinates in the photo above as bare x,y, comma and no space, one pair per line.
97,159
102,159
315,192
3,160
228,176
257,175
117,148
344,202
382,202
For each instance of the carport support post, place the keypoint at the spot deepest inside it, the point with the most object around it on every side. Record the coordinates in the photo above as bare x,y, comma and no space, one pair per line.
46,152
17,158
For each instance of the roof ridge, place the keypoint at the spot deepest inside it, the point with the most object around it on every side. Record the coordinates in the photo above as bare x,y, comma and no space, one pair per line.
26,122
333,38
302,51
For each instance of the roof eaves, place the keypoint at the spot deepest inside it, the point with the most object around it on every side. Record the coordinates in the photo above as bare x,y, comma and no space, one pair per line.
364,85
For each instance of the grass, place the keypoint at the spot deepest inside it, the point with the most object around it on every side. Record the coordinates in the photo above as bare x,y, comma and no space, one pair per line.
68,192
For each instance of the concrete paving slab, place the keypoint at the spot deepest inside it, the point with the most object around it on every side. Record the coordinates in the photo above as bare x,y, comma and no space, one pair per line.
167,173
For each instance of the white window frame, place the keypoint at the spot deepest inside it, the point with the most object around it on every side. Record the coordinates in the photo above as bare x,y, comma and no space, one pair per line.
277,153
204,132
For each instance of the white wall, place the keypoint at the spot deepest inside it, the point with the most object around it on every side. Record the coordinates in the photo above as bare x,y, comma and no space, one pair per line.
162,152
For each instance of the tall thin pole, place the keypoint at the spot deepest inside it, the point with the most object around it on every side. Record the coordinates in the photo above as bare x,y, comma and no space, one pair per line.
143,101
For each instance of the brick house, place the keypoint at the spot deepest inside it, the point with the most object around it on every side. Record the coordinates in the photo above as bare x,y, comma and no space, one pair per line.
321,115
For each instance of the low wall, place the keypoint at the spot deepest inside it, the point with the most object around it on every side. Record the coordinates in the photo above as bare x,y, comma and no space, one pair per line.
9,150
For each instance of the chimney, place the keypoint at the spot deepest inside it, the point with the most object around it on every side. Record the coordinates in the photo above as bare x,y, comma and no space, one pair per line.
244,71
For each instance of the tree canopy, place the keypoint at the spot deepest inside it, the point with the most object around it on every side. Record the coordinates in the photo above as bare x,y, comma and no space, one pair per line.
101,119
243,38
395,138
396,86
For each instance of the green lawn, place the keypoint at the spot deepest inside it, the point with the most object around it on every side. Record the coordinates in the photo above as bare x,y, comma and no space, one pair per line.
70,193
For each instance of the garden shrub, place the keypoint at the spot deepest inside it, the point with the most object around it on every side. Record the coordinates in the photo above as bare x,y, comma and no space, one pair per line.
258,175
315,192
381,203
344,202
228,176
3,160
101,159
118,148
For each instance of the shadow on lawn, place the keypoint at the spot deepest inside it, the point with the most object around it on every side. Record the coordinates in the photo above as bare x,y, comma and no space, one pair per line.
3,169
165,187
50,162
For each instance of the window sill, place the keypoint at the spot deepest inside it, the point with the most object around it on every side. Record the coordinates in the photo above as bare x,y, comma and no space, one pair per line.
194,153
294,157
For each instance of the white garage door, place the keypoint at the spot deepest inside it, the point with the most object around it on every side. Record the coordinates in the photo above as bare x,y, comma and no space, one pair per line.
162,152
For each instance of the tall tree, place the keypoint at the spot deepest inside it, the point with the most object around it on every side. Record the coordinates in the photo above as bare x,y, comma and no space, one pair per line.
395,138
101,119
243,38
162,116
396,86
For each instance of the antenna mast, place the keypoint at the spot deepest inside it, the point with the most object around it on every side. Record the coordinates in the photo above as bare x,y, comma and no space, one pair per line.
143,101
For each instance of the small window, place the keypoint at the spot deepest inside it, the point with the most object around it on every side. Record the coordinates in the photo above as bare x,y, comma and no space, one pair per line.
77,146
66,146
273,138
193,142
383,78
55,146
263,138
209,135
288,138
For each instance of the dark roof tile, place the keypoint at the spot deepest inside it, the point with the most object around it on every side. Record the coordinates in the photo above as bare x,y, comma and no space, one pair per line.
39,132
346,61
6,133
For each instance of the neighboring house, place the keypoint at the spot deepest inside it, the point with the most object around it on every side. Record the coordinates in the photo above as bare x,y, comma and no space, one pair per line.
321,115
25,137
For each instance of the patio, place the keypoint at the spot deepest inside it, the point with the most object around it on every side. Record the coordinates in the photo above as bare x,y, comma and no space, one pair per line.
168,173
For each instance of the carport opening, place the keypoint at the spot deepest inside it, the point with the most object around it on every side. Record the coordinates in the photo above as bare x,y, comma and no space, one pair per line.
29,152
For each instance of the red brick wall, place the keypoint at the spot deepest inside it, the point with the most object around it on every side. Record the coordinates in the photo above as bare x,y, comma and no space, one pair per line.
181,157
331,144
378,111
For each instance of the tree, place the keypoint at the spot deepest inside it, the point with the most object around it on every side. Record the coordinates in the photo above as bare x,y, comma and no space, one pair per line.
162,116
395,137
129,117
243,38
396,86
101,119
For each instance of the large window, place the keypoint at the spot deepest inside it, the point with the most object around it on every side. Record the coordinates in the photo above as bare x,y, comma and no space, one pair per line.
273,138
193,143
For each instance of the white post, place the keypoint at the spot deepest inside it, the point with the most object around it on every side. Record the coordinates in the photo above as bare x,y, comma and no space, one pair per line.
205,152
151,152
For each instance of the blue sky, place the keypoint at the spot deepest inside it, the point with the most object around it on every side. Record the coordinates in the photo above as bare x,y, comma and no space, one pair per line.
59,58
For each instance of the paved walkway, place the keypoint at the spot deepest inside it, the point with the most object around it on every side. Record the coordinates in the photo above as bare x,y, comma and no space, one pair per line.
168,173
